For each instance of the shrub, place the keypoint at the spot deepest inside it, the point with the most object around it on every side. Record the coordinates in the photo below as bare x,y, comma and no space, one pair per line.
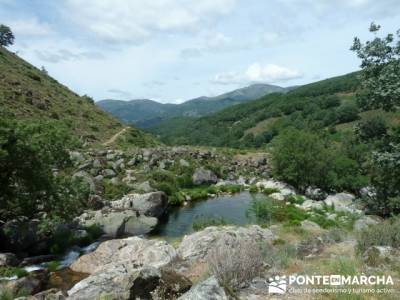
12,271
235,262
386,233
201,222
269,191
114,191
230,188
347,113
176,199
253,189
372,128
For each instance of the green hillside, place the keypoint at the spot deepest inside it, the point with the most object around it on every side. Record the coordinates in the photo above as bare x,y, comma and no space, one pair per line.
145,113
324,104
30,94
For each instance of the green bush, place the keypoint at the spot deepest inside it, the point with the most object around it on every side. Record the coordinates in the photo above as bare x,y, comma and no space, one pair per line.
230,188
12,271
115,191
201,222
253,189
269,191
176,199
386,233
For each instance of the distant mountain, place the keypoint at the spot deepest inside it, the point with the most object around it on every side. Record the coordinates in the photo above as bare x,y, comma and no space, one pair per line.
145,113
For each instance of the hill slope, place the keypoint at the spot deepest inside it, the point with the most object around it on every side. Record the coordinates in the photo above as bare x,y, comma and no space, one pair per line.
325,103
145,113
30,94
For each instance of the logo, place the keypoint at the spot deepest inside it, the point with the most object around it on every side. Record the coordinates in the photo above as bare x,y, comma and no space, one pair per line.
277,285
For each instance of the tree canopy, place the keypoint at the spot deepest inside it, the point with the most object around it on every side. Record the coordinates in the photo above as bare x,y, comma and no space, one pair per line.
6,36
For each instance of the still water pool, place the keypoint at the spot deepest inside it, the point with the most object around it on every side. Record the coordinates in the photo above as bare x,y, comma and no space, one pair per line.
232,209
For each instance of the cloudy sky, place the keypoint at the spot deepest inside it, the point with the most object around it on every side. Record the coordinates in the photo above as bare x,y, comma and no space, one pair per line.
173,50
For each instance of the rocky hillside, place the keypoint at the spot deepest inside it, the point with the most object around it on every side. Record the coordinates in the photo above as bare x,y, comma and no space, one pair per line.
144,113
31,94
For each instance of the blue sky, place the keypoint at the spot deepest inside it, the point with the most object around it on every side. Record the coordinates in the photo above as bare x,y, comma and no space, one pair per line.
174,50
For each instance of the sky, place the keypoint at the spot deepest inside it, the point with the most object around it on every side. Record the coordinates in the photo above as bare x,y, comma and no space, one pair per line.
175,50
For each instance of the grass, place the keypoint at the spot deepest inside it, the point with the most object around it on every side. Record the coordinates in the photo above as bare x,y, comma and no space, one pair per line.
12,271
269,191
201,222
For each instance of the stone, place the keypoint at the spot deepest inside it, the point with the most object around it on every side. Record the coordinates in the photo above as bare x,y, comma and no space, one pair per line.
76,157
341,202
197,245
51,294
277,196
150,204
376,256
315,193
108,173
128,282
38,259
311,204
118,223
19,235
8,260
208,289
366,221
204,176
130,251
310,226
283,188
144,187
183,163
26,285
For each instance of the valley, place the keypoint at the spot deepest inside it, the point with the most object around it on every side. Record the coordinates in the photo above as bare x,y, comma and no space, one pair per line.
216,198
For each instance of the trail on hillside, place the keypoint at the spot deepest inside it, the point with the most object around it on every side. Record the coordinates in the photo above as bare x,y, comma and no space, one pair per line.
114,137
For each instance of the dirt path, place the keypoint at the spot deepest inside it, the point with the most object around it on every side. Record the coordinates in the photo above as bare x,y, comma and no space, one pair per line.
114,137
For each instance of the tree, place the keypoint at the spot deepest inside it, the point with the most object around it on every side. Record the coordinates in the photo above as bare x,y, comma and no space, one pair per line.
6,36
380,62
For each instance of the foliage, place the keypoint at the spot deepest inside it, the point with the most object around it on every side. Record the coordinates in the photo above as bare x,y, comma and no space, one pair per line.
373,128
29,151
201,222
113,191
306,159
253,189
12,271
6,36
385,179
386,233
235,262
380,61
269,191
230,188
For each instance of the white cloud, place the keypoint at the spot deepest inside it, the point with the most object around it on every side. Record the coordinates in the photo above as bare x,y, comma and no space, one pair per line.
135,21
55,56
257,72
29,27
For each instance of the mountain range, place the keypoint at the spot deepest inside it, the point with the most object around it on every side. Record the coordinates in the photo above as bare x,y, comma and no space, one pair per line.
145,113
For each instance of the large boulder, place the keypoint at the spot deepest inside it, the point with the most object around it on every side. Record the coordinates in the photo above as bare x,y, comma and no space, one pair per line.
204,176
129,282
150,204
116,223
133,250
366,221
8,260
208,289
341,202
197,245
283,188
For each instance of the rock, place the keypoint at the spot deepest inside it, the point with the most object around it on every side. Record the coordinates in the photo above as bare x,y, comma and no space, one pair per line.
114,181
19,235
209,289
95,202
203,176
27,285
379,255
108,173
277,196
119,282
183,163
76,157
150,204
310,226
367,191
283,188
197,245
311,204
341,202
51,294
129,251
315,193
366,221
118,223
38,259
144,187
8,260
